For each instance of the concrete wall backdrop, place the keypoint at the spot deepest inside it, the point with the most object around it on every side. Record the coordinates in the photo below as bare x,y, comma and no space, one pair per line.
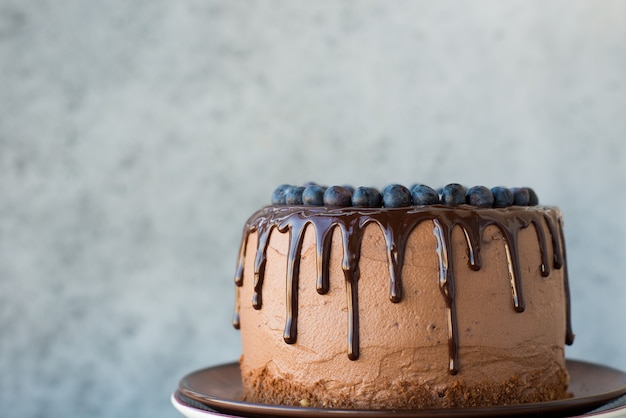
137,137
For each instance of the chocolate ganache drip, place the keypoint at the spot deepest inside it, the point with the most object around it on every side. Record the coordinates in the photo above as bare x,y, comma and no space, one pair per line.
397,225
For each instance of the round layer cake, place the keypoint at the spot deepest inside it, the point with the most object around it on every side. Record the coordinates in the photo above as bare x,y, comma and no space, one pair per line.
415,306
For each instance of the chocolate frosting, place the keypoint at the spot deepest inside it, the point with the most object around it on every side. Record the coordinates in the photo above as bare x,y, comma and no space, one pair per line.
397,224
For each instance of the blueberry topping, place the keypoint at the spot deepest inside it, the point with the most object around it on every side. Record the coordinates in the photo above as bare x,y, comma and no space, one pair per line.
533,199
396,196
366,197
502,197
313,195
453,194
293,195
337,196
278,196
479,196
424,195
521,197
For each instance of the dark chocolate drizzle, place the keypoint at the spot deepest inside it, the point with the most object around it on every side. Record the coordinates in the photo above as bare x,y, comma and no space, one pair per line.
397,225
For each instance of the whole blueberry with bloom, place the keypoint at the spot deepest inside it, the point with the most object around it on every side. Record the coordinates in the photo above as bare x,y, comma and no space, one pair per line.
279,195
368,197
293,195
313,195
502,197
396,196
453,194
424,195
521,197
479,196
337,196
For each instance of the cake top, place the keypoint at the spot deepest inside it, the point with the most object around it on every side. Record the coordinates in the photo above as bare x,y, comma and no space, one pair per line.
397,196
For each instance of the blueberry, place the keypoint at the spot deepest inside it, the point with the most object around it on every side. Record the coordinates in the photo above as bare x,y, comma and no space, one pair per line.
293,195
533,199
313,195
521,197
424,195
278,196
502,197
348,187
479,196
453,194
367,197
396,196
337,196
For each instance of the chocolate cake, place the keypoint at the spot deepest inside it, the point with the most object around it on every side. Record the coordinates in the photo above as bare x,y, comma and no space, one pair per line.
409,298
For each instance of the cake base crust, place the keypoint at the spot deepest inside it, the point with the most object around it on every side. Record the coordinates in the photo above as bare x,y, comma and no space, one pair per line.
262,387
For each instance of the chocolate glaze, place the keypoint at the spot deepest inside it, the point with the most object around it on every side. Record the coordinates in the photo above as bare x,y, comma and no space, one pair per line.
396,224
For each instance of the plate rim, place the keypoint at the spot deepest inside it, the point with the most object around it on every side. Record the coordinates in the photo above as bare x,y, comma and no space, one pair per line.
230,406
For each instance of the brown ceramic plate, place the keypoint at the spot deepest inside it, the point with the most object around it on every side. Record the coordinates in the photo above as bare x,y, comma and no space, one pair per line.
219,389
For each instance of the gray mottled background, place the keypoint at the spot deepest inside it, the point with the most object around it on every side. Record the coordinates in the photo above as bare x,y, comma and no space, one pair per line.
137,137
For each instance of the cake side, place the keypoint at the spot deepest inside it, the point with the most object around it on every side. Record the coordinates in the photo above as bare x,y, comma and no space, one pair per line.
426,307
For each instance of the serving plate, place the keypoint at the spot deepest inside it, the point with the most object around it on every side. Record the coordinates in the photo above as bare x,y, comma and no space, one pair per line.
217,390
